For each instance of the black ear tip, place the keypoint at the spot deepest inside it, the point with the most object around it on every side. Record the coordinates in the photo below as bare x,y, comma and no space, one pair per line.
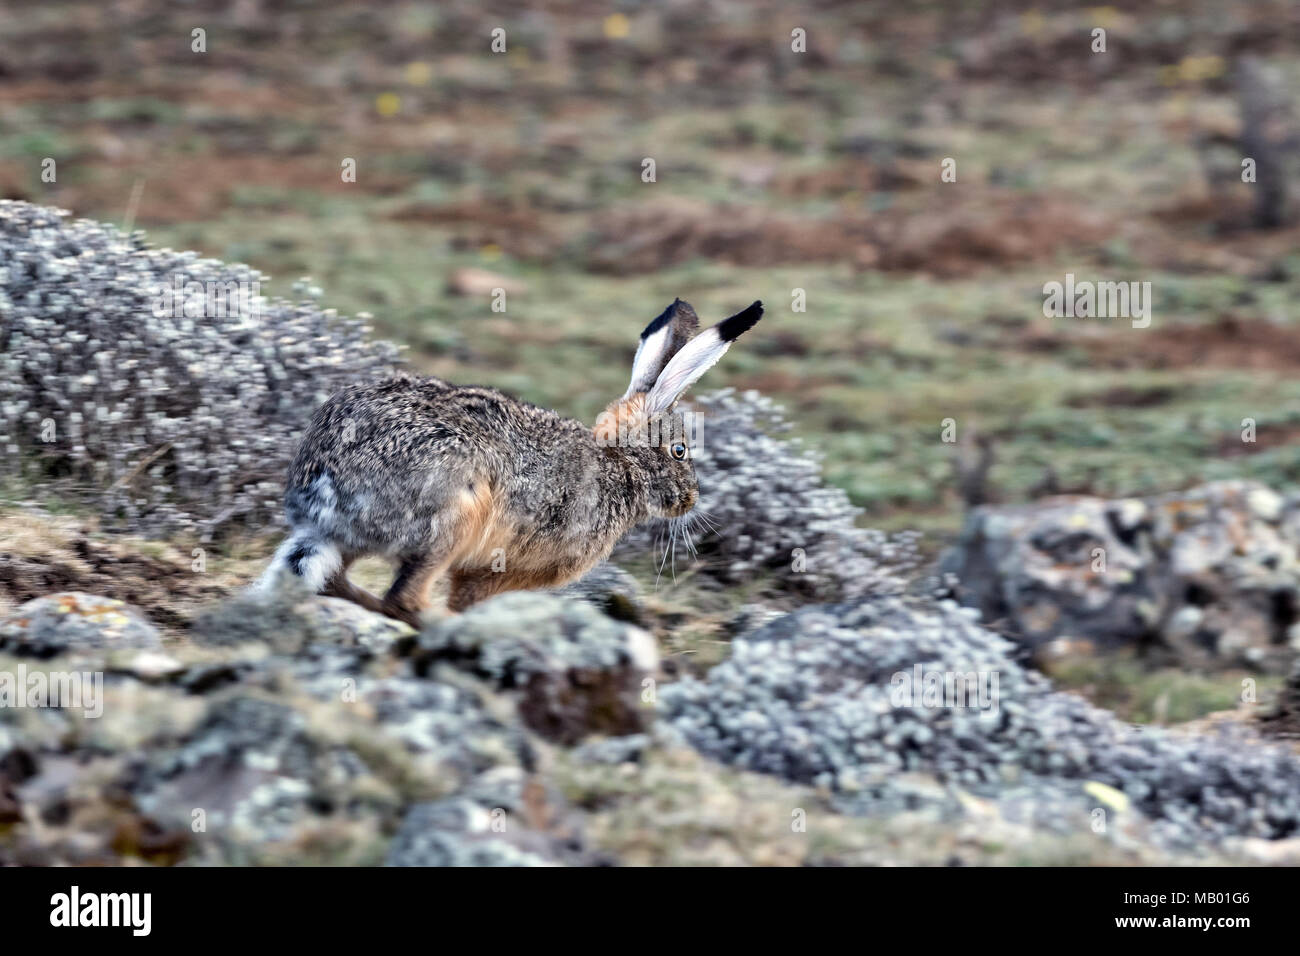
731,329
662,319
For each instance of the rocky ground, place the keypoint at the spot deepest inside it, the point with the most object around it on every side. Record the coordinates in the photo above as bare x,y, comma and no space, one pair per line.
537,730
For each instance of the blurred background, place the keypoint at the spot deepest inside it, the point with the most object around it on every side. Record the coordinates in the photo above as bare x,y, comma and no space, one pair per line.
775,171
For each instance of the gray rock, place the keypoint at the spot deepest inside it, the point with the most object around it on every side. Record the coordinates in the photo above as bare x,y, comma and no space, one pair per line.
292,728
71,623
749,617
573,670
610,589
832,696
1204,578
290,621
460,832
613,750
345,624
450,724
249,766
269,770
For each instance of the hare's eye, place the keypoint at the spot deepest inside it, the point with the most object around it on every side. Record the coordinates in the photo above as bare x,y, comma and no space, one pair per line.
679,451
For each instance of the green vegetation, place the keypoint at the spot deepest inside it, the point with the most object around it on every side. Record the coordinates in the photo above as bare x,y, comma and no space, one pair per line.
1169,695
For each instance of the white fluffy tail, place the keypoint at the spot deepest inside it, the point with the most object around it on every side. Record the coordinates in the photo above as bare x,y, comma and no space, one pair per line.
305,555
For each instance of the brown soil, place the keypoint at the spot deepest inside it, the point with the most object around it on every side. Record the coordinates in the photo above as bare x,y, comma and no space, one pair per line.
1125,397
167,592
998,230
1229,342
1266,437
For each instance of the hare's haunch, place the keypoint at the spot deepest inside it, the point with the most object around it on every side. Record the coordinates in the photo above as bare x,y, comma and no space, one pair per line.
495,492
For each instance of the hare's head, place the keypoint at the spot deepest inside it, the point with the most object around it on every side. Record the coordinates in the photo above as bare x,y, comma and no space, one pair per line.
645,424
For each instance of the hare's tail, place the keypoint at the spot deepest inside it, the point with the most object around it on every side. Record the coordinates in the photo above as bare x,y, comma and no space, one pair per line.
303,554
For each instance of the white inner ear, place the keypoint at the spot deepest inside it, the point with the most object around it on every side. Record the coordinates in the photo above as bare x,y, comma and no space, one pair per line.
696,357
649,356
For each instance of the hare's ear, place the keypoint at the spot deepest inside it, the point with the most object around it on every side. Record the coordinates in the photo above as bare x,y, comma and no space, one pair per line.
662,339
698,357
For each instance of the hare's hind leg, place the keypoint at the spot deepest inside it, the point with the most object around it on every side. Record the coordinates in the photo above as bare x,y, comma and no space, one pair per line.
409,594
339,586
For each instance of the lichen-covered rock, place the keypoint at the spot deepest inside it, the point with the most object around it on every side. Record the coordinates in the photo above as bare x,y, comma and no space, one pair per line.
1207,578
172,418
420,751
747,617
574,670
459,832
293,620
841,696
70,623
300,730
613,750
611,589
294,733
678,808
504,817
345,624
438,722
250,767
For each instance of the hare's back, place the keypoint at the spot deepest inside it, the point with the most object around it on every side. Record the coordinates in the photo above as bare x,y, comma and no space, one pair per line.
382,460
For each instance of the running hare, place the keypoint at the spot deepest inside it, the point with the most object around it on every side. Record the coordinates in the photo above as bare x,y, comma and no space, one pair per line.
497,493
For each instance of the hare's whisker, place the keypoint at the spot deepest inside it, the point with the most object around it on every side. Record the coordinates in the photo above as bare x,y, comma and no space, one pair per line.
705,520
674,564
662,561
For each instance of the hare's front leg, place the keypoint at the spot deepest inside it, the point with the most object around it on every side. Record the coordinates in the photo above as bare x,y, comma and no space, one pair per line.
471,585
